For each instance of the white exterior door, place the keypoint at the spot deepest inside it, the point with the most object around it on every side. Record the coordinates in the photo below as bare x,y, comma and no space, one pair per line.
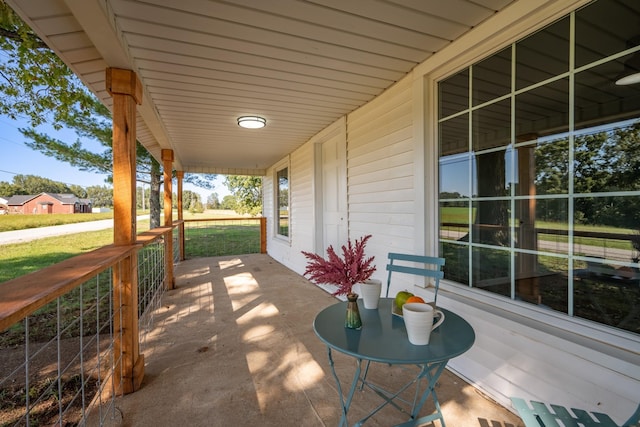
333,191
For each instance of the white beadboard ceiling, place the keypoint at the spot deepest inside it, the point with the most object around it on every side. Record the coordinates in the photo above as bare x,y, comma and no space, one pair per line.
300,64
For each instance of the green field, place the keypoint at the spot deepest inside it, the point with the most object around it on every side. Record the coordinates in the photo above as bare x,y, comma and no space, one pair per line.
20,222
18,259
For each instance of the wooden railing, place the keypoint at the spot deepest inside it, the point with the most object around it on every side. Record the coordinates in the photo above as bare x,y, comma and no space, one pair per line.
79,304
88,300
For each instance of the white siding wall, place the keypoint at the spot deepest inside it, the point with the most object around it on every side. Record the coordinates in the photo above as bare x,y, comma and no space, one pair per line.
302,188
381,168
520,350
302,213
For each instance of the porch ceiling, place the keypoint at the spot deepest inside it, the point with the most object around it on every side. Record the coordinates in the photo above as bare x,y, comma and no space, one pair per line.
299,64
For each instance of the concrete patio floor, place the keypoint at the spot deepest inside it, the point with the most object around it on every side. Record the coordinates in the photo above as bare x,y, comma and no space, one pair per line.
233,345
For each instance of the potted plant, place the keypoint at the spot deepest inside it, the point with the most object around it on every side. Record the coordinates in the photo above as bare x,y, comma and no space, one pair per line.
343,272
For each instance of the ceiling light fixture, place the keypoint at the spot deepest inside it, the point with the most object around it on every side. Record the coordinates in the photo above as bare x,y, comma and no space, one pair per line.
251,122
631,73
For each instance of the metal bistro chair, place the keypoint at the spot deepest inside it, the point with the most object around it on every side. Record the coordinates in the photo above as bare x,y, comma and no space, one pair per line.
432,268
538,415
435,272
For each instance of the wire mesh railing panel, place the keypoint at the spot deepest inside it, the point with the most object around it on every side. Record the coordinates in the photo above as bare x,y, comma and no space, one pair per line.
151,284
176,245
222,237
57,364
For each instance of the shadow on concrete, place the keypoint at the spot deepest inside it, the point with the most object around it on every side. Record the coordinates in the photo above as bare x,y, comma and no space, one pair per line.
233,344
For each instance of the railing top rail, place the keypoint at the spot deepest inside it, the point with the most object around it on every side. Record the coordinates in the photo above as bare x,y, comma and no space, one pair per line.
224,219
150,236
23,295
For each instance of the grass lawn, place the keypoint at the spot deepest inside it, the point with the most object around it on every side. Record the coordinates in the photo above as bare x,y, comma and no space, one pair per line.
18,259
20,222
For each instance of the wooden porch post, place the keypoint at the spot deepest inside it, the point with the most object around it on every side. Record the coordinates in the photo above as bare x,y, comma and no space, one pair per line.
180,176
263,235
167,165
126,90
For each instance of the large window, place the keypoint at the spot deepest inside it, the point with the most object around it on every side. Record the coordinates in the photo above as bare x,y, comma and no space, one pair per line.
283,202
539,148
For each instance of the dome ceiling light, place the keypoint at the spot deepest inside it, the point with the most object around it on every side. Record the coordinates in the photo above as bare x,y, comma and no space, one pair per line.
251,122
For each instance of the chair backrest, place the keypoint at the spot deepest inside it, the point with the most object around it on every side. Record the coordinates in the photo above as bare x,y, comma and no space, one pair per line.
432,267
537,414
634,420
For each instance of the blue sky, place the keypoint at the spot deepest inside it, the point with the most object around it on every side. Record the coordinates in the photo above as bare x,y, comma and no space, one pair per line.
18,159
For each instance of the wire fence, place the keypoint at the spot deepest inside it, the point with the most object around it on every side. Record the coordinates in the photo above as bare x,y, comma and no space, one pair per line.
60,362
219,237
61,365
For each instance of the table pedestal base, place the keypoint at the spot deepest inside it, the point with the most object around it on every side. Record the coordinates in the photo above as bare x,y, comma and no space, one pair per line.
430,372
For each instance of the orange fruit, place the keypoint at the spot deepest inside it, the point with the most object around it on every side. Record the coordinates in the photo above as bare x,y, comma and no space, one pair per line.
415,298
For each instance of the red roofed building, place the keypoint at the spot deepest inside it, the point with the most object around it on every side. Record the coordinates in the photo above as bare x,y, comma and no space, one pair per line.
48,203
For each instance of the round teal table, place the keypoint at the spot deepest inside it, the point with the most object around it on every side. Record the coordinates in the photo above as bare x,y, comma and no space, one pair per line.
383,339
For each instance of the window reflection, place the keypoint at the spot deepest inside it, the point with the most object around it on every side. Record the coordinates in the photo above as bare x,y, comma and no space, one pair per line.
457,265
454,135
608,159
550,213
607,227
596,37
542,280
544,110
492,270
542,224
454,220
491,226
492,125
455,90
454,177
492,77
543,55
598,98
283,202
550,168
490,174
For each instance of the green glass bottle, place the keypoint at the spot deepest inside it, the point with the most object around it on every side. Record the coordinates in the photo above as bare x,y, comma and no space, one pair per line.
352,321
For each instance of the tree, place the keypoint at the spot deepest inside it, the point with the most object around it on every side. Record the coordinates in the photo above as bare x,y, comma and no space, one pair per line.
228,202
36,84
31,184
248,193
101,196
8,190
213,202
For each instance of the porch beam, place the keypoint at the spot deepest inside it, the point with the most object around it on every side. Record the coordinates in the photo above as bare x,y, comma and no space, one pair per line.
126,91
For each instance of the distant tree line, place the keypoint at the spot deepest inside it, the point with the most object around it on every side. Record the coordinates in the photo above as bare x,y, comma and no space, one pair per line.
101,196
246,197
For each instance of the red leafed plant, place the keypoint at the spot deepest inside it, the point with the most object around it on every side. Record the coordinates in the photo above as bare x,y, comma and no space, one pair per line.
343,272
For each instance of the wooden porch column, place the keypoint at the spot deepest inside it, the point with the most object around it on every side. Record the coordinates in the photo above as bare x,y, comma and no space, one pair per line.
180,176
167,165
126,91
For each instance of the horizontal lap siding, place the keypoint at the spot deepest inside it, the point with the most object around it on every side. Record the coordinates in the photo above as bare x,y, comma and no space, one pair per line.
511,359
380,174
302,205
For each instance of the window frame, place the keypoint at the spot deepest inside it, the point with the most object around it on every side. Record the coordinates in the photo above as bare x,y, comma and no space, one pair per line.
282,166
495,302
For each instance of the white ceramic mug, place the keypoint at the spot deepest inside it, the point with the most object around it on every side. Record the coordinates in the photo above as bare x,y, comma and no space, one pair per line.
418,319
